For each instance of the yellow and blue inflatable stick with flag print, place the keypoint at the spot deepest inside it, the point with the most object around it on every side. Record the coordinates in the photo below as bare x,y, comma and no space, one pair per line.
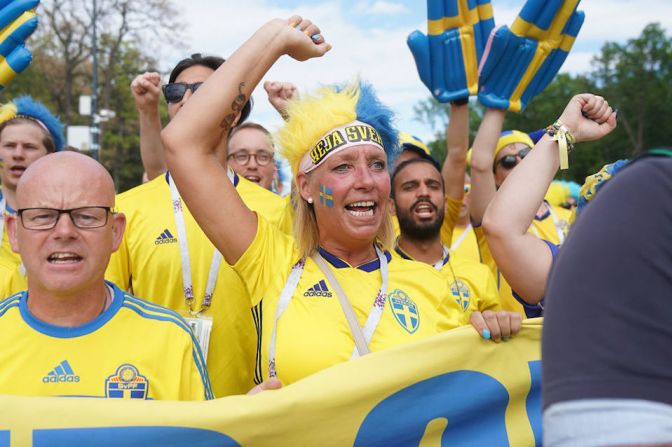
17,22
447,57
519,62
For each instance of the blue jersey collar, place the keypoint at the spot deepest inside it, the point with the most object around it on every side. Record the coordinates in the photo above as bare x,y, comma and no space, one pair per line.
338,263
405,255
71,332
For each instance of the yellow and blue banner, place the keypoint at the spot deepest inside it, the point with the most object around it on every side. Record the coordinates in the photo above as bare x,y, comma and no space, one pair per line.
17,22
447,57
451,389
518,63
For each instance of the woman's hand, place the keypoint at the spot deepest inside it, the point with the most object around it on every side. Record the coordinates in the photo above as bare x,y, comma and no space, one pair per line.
267,385
588,117
302,39
496,326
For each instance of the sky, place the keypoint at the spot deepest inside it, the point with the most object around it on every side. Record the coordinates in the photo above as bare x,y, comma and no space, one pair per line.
369,41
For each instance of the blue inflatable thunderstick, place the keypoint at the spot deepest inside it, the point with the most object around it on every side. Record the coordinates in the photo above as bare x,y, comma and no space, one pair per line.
521,61
17,22
447,57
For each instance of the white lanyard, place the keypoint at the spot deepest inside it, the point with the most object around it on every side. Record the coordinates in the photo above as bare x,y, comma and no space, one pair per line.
441,262
288,291
461,238
187,282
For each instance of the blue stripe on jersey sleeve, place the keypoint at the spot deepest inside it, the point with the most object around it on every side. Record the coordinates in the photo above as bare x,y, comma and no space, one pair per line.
8,303
142,308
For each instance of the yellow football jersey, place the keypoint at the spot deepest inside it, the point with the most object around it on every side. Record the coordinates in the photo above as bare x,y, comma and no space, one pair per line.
6,251
313,334
507,297
11,279
467,244
452,213
471,284
552,224
133,350
148,263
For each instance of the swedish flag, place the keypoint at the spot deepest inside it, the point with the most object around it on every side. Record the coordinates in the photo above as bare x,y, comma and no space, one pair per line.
521,61
326,196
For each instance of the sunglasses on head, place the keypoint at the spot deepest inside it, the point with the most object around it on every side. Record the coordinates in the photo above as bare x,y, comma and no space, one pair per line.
175,91
511,160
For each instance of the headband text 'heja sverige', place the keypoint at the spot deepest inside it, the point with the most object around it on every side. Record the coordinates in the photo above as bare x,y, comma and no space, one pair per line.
351,134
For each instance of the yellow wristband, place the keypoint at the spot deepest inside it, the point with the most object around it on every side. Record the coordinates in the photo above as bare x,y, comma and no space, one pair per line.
560,133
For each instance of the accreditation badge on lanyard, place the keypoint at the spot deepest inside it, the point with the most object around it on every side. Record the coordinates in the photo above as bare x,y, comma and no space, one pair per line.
201,325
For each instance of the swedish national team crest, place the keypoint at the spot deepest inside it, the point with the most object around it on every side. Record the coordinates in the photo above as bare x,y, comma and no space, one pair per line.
126,383
461,294
405,311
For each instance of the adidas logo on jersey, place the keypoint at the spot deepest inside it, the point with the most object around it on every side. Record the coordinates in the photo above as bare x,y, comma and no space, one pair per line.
165,238
319,289
60,374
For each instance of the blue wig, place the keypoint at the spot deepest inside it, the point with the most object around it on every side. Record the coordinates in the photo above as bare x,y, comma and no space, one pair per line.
27,107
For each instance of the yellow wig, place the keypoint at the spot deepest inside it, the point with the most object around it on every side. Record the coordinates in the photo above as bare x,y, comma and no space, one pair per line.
313,116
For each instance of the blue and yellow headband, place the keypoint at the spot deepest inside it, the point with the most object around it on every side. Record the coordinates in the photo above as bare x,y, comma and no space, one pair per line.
308,137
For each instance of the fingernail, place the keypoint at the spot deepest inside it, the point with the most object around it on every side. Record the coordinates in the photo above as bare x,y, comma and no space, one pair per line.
486,334
315,36
329,47
505,338
616,112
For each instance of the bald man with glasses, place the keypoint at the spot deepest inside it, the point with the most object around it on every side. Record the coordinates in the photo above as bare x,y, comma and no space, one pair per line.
71,333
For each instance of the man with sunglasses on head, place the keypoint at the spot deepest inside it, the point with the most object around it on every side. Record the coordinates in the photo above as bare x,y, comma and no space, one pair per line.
71,333
165,254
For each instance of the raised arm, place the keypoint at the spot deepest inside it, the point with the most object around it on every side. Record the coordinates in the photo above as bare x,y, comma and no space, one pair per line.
483,187
146,92
457,144
524,259
191,138
279,94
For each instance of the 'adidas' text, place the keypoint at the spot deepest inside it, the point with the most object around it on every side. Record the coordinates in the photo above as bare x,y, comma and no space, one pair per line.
319,289
62,373
166,237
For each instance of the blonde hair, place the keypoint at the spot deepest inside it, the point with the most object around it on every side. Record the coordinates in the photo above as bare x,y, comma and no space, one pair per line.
313,116
309,118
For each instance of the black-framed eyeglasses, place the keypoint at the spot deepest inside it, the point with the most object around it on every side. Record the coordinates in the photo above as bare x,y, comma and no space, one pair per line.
511,160
243,157
85,217
175,91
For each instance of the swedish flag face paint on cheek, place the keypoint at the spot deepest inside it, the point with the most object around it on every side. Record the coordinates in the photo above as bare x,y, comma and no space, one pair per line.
326,196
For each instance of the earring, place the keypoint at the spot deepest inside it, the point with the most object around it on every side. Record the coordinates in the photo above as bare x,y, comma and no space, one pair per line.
310,200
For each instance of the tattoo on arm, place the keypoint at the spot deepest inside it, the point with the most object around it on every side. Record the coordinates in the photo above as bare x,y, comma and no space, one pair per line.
236,106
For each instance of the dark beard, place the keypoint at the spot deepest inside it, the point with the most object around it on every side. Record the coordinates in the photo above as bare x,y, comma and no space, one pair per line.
420,232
